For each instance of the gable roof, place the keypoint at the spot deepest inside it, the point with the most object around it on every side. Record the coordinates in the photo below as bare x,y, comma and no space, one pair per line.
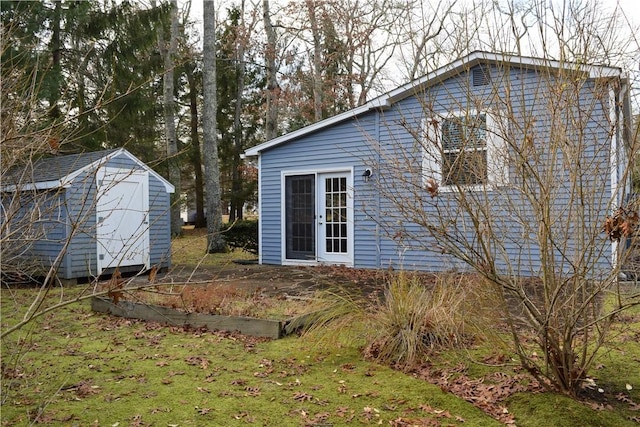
437,76
60,171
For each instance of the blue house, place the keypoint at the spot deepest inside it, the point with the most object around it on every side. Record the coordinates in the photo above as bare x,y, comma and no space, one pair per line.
86,214
373,187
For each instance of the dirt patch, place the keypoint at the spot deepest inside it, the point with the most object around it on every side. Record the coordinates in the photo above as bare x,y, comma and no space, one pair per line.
275,280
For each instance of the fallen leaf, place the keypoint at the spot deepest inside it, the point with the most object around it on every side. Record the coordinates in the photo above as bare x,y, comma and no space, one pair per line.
252,391
240,415
301,397
342,411
203,411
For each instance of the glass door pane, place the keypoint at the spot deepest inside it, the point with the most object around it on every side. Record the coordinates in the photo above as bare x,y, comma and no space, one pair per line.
335,215
300,199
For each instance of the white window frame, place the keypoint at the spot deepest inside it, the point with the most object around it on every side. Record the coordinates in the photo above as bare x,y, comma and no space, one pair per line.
496,148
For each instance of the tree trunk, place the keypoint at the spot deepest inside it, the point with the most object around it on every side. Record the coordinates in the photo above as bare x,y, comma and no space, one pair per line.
215,242
168,52
81,90
196,157
237,198
54,111
271,123
317,60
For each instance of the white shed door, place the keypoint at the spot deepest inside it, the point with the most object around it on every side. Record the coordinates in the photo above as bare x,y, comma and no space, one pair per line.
122,218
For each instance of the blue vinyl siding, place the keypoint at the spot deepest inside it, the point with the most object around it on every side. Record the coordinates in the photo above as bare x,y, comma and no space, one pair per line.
340,147
37,226
80,259
50,234
159,224
518,252
383,141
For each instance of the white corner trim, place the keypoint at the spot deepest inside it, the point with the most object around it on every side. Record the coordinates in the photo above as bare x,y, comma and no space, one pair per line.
260,216
613,166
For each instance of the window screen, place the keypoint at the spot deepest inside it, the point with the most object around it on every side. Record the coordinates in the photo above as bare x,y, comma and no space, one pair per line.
464,143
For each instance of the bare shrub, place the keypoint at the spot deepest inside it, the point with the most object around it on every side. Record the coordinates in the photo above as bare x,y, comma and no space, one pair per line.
546,225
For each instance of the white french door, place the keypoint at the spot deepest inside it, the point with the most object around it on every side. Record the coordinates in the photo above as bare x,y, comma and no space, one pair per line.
318,218
335,207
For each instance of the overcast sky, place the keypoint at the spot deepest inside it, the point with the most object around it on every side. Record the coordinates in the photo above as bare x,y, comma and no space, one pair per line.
630,7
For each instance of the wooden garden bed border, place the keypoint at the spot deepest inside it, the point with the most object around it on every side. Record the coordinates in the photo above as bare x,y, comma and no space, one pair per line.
245,325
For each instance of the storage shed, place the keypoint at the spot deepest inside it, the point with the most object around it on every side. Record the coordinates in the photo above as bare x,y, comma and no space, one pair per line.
86,214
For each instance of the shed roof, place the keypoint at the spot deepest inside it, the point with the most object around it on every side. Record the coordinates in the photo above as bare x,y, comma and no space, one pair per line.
435,77
60,171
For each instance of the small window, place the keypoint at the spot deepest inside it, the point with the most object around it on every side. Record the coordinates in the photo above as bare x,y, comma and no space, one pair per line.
480,76
465,150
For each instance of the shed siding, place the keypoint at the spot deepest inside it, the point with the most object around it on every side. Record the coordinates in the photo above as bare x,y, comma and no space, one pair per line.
70,215
49,234
160,224
36,228
81,208
81,201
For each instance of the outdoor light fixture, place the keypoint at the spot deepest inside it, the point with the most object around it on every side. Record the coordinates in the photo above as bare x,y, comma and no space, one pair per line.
366,175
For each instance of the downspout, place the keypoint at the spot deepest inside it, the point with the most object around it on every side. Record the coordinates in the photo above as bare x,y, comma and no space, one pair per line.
627,145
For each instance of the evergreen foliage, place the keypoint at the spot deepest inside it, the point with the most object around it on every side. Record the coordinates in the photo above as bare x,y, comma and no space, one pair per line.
242,235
